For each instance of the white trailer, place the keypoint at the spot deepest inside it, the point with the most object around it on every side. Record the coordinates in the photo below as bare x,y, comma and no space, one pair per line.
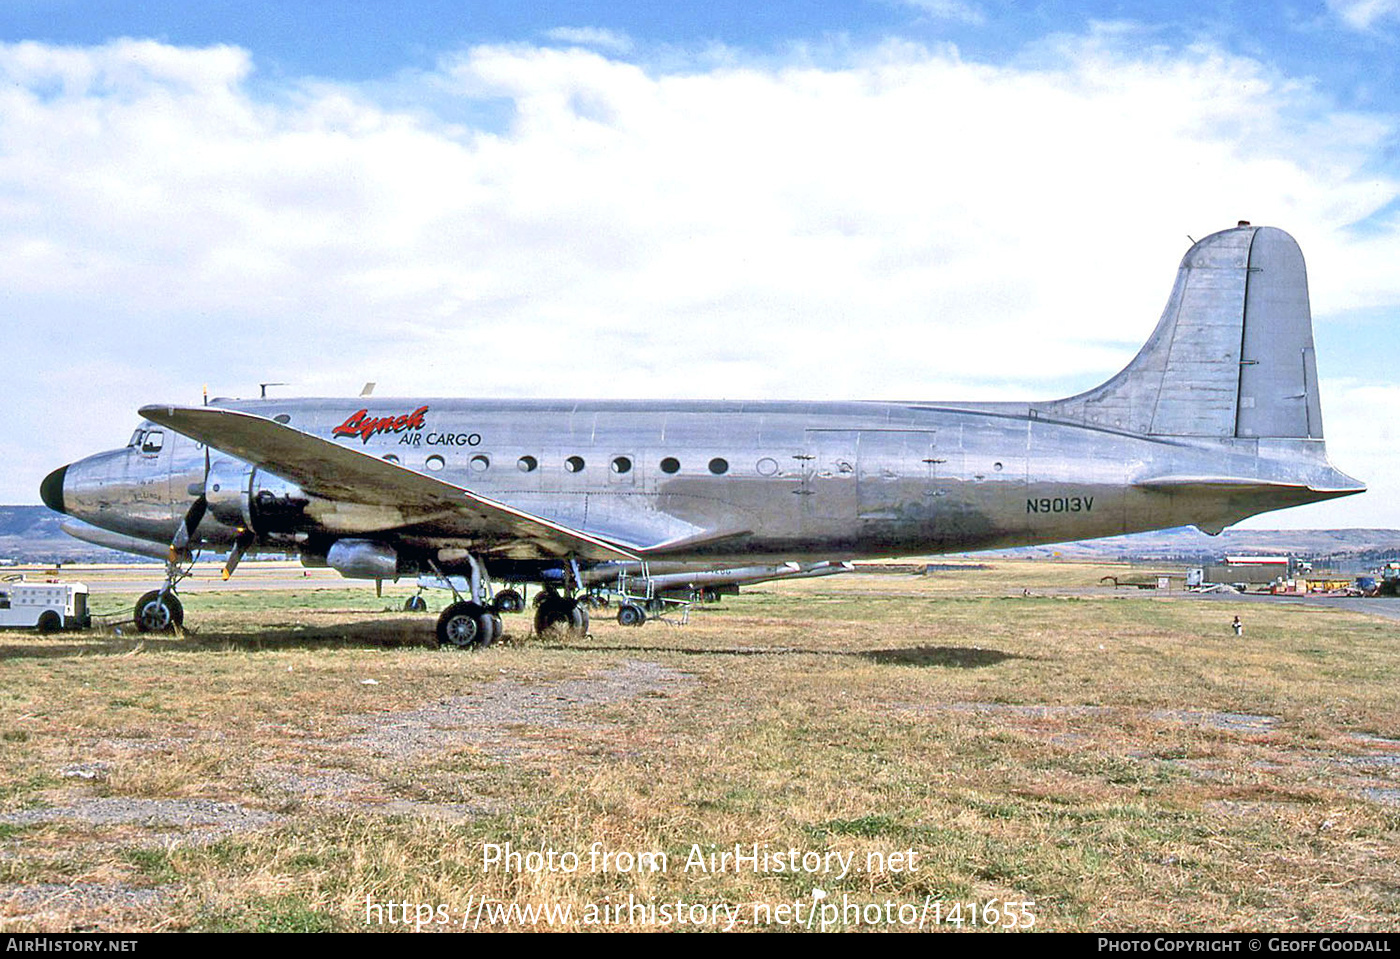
44,606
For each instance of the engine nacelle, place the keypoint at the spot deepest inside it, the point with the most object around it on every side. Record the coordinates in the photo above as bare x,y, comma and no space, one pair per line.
363,559
241,496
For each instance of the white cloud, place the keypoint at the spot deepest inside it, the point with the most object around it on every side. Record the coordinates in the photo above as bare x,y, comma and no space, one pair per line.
1364,14
954,10
597,37
909,224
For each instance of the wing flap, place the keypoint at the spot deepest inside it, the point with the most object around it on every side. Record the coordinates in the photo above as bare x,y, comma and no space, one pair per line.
326,469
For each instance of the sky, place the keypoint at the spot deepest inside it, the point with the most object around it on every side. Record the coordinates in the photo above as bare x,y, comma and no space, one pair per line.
892,199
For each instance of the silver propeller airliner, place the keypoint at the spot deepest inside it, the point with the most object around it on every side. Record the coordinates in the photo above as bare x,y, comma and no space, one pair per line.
1216,419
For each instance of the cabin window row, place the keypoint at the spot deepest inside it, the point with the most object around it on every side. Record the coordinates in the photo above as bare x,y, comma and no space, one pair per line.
620,465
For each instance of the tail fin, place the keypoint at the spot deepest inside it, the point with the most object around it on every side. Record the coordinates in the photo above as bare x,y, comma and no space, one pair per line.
1232,355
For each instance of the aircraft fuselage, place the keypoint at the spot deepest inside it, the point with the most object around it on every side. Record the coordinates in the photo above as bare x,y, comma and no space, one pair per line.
722,481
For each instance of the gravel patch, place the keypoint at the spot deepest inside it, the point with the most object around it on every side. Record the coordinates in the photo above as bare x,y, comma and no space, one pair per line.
314,784
198,820
339,789
1230,722
80,896
490,718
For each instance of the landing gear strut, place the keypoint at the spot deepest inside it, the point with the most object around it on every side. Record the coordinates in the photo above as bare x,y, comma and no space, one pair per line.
469,623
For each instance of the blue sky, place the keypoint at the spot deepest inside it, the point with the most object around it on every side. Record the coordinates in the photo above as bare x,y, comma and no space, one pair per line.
1348,47
931,199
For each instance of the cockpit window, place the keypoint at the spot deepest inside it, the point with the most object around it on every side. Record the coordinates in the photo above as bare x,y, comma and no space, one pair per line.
155,439
137,437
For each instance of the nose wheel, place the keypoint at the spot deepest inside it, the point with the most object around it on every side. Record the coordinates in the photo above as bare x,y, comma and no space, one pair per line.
159,611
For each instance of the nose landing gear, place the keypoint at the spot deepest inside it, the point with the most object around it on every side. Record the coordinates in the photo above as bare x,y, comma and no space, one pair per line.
159,611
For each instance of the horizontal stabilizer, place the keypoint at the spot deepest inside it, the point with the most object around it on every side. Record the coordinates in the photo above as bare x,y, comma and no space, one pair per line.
1238,484
1216,502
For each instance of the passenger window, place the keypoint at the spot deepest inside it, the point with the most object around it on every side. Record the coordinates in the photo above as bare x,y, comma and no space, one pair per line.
155,439
670,464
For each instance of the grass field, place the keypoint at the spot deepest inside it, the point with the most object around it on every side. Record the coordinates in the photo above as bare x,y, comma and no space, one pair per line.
890,749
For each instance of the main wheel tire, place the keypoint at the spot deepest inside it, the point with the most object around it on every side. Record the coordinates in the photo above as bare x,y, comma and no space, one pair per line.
493,626
630,614
159,613
461,625
561,613
550,615
508,601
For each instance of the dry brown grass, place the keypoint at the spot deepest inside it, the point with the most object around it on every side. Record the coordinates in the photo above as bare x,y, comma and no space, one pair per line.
1119,759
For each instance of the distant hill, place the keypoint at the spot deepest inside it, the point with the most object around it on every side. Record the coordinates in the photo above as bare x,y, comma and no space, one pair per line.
30,534
1186,544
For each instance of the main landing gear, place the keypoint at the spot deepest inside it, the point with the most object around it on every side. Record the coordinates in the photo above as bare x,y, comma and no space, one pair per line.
561,613
474,621
467,625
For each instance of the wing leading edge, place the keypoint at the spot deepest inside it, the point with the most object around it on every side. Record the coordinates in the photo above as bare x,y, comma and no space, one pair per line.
325,469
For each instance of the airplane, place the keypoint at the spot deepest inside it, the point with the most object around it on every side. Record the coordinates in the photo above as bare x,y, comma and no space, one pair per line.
1216,419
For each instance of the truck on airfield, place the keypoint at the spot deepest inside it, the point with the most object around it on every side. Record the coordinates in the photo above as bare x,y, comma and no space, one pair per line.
47,607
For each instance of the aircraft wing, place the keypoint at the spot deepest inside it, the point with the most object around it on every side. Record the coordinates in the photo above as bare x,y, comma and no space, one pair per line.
335,472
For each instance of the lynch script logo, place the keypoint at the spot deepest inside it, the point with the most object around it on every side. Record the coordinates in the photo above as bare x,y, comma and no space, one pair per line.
364,426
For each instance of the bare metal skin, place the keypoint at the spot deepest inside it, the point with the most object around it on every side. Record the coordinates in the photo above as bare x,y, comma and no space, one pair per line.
1215,420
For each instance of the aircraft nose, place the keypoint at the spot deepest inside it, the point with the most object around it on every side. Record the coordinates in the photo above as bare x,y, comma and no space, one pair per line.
51,490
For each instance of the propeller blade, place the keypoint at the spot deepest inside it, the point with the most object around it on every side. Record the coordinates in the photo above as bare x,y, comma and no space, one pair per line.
180,545
240,546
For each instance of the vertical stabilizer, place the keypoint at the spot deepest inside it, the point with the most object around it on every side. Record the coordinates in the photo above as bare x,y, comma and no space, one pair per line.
1232,355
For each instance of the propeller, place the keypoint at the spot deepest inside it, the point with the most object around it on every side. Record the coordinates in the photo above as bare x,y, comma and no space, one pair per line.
180,545
246,538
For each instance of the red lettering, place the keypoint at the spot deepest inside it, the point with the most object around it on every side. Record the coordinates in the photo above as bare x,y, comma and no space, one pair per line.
364,426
